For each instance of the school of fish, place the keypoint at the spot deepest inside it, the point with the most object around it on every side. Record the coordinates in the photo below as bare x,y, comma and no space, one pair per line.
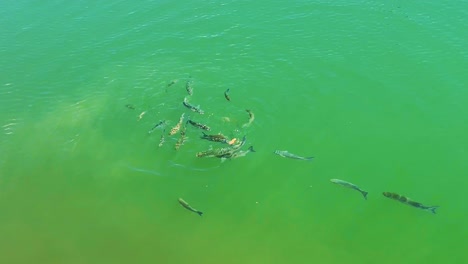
233,146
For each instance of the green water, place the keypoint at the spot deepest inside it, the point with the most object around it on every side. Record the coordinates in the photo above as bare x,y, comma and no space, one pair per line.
374,90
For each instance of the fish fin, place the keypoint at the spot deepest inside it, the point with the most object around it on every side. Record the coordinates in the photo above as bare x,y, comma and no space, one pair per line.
251,149
199,213
364,193
433,209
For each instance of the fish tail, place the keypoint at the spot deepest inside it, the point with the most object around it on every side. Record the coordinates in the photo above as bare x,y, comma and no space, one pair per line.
309,158
433,209
251,149
199,213
364,193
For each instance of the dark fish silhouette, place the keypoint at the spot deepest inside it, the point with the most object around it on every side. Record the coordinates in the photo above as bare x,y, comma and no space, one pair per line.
408,201
226,95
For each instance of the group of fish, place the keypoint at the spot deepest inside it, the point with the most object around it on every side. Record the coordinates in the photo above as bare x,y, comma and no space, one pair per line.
234,148
393,196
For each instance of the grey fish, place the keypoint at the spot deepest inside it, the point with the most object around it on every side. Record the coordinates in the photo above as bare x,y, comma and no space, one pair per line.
158,125
410,202
188,207
251,118
286,154
199,125
172,83
350,185
237,154
188,87
192,107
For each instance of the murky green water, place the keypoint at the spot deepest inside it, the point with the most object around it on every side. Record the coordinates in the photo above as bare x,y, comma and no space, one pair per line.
374,90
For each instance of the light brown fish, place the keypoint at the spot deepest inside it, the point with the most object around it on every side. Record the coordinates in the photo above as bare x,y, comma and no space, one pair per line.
176,128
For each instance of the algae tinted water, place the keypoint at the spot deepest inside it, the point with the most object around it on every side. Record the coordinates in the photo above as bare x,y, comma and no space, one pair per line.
374,90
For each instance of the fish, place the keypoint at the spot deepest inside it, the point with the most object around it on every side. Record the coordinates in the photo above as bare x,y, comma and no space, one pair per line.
350,185
226,95
192,107
188,87
410,202
196,124
222,152
176,128
141,115
286,154
215,138
188,207
161,141
172,83
251,118
181,140
130,106
237,154
158,125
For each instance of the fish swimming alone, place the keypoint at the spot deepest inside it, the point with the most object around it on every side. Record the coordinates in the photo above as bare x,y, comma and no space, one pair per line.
351,186
141,115
199,125
188,207
158,125
161,141
176,128
286,154
192,107
172,83
251,118
408,201
188,87
226,95
130,106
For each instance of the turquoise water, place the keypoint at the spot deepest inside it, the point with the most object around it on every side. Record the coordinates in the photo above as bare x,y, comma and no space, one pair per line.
374,90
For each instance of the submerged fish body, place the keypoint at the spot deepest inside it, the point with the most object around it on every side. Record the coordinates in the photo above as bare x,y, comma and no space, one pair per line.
238,154
188,207
351,186
222,152
172,83
286,154
188,87
226,95
408,201
161,140
181,140
158,125
192,107
215,138
199,125
176,128
251,118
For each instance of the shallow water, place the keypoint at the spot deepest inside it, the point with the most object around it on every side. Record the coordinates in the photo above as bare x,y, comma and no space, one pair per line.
373,90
